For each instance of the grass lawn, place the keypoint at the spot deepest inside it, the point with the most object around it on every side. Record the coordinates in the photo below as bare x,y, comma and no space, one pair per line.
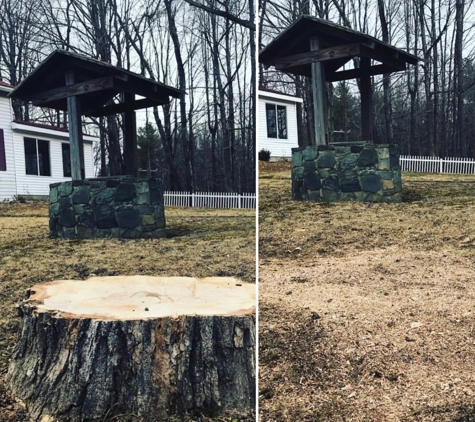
200,243
367,311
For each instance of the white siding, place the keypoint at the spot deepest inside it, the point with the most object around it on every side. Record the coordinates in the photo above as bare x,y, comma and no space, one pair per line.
279,148
39,185
7,178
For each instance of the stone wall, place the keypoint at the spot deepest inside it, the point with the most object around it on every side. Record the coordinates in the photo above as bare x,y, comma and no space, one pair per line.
119,207
362,172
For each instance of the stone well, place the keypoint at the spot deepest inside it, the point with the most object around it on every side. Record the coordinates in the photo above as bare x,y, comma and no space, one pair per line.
361,172
119,207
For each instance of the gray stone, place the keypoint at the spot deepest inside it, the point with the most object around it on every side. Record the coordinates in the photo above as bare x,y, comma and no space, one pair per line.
145,209
148,219
309,153
143,198
397,187
81,195
156,234
326,160
297,173
368,158
69,233
149,228
128,219
313,195
125,192
389,192
102,210
85,232
53,225
330,196
78,209
142,187
350,186
159,212
348,162
297,159
348,196
296,190
312,181
332,183
160,222
113,183
309,166
356,149
372,197
394,162
54,209
67,218
98,185
64,202
53,195
371,183
397,176
106,221
86,220
323,173
65,189
104,197
383,164
123,206
129,234
383,153
156,197
386,175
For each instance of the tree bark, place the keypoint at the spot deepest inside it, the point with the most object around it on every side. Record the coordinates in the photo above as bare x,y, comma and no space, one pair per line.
85,356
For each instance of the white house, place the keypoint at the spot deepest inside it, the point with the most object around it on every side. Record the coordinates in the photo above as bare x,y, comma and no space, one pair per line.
33,155
277,123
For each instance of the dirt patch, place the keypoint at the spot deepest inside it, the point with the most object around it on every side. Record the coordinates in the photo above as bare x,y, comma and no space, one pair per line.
378,303
200,243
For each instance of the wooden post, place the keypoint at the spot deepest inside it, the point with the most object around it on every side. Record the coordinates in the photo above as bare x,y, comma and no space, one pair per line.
75,133
318,92
366,100
130,138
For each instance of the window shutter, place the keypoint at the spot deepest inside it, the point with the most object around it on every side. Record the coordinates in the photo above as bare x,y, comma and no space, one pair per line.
3,159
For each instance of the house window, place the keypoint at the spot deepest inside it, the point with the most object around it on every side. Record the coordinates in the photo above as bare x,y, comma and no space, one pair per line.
66,160
276,121
3,159
37,160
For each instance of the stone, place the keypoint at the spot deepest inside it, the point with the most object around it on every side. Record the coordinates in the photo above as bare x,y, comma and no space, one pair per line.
104,196
97,184
159,212
312,181
86,220
78,209
372,197
81,195
309,166
371,183
323,173
383,164
325,148
326,160
160,222
348,162
65,189
313,195
145,209
330,196
53,225
297,159
69,233
394,150
67,218
54,209
154,184
350,186
148,219
53,195
129,234
85,232
332,183
143,198
398,187
348,175
148,228
142,187
113,183
128,219
296,190
397,176
106,221
64,202
383,153
394,162
123,206
368,158
386,175
388,192
297,173
156,197
356,149
348,196
388,184
125,192
310,153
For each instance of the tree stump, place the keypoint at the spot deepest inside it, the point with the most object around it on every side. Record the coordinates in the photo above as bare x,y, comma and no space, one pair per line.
147,346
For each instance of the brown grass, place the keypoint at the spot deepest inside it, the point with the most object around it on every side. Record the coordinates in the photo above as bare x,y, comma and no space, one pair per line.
200,243
367,310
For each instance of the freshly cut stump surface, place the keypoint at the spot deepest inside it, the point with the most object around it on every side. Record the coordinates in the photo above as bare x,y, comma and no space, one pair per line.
135,345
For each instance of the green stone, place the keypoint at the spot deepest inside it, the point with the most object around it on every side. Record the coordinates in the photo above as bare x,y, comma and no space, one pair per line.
297,159
309,153
297,173
53,195
383,164
143,198
148,219
330,196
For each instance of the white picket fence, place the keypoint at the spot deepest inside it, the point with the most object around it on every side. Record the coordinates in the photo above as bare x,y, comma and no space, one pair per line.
437,165
210,199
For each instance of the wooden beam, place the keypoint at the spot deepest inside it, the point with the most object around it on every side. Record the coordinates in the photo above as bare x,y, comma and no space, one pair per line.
123,107
130,138
318,92
94,85
366,100
356,73
147,90
390,58
333,53
75,133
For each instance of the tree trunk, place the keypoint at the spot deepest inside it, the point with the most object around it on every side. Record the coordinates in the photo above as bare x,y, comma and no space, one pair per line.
146,346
